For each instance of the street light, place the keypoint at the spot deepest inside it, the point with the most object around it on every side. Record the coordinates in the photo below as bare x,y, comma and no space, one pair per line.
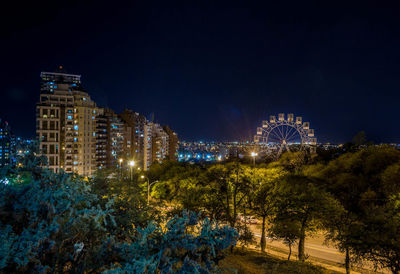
148,188
254,155
131,165
120,166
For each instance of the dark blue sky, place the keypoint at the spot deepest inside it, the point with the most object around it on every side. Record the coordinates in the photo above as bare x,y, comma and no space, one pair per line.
212,71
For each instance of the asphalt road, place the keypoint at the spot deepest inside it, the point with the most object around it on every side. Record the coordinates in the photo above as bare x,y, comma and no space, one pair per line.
316,248
313,247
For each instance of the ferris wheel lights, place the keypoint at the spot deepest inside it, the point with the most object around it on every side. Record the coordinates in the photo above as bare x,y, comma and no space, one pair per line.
264,123
281,133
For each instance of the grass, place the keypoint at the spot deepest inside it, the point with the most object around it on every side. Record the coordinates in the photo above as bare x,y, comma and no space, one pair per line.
249,261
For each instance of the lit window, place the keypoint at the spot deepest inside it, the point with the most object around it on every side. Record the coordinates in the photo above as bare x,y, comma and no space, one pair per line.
76,127
69,117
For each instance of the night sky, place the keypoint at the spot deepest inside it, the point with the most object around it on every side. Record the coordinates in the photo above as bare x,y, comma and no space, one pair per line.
212,71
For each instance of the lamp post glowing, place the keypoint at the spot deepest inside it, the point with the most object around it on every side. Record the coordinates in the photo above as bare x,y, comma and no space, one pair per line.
131,165
254,155
120,166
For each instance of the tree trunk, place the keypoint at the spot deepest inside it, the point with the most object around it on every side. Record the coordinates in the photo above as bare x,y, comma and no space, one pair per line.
301,244
347,261
228,207
234,209
263,242
290,251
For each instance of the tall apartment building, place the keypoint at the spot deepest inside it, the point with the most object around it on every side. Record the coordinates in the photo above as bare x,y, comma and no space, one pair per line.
134,145
7,144
65,123
115,138
78,137
173,145
160,144
101,139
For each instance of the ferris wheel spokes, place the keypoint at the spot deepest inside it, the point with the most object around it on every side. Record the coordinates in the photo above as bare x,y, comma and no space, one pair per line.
278,133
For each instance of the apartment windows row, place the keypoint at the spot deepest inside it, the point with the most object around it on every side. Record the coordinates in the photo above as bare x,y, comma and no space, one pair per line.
57,99
49,137
49,148
49,125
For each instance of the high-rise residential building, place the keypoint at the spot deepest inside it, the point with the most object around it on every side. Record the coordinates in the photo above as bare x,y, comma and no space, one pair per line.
173,145
147,145
115,138
160,143
66,123
78,137
7,144
134,146
101,139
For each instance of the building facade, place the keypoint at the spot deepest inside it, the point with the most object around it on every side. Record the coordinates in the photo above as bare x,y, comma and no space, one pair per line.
65,124
173,145
78,137
135,125
7,144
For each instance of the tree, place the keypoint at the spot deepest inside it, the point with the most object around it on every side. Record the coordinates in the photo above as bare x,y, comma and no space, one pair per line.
303,202
360,139
57,223
287,231
185,245
265,181
50,223
129,200
364,182
229,185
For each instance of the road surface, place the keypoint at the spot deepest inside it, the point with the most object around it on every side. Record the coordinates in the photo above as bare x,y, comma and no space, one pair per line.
315,248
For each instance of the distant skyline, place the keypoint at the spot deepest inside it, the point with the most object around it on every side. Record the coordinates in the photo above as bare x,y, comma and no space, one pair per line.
212,70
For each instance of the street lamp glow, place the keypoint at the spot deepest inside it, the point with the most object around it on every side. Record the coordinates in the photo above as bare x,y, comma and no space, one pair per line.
120,161
131,163
254,155
142,176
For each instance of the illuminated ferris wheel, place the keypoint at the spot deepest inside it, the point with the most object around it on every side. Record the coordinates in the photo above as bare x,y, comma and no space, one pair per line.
285,133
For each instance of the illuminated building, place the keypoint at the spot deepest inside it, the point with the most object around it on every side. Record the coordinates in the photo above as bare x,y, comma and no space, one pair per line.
115,138
78,137
160,143
7,144
148,145
134,143
146,141
101,139
172,143
66,124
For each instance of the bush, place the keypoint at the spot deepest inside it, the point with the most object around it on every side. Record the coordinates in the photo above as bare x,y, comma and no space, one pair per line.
56,223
